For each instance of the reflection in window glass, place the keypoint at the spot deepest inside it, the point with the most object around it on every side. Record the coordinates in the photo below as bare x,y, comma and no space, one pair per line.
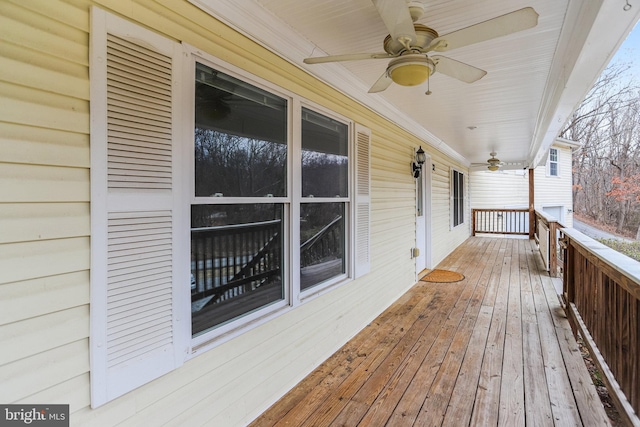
325,153
236,261
240,138
322,242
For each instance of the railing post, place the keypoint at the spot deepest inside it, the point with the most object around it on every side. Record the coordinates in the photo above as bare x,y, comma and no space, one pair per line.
473,222
568,275
553,249
532,214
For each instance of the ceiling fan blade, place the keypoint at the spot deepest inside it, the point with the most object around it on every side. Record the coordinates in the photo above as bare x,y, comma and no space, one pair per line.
396,17
381,84
456,69
497,27
347,57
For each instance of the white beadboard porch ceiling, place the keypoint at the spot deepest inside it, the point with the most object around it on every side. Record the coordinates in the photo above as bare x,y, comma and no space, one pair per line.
534,78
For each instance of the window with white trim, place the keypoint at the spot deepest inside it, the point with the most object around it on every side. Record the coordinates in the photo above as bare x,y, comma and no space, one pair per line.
253,216
554,169
238,224
217,200
324,205
457,198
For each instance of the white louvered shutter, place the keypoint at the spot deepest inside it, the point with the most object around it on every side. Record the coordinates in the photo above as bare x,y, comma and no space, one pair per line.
133,230
363,201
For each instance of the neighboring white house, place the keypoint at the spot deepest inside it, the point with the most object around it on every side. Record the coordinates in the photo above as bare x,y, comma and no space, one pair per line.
552,185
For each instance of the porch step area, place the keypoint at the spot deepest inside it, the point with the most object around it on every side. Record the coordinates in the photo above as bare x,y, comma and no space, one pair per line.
493,349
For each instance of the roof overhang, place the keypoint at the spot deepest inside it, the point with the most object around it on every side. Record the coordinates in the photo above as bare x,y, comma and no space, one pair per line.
536,79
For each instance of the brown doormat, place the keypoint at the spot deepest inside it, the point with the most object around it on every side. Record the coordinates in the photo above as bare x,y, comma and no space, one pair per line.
442,276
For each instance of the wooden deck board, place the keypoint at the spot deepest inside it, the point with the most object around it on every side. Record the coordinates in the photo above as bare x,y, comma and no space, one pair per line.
493,349
427,382
460,407
487,396
538,405
512,387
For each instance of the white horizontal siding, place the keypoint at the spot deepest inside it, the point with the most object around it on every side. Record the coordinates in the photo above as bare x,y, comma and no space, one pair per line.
71,392
23,339
43,146
44,217
72,14
43,370
23,222
556,190
36,297
499,190
32,260
19,72
39,32
28,183
35,107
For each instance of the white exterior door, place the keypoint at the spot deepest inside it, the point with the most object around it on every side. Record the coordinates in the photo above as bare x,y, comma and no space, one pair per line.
423,218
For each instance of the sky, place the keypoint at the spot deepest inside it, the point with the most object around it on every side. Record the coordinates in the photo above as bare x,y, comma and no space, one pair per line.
629,53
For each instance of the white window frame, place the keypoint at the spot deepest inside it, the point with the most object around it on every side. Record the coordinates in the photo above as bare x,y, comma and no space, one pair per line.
321,288
452,187
294,296
556,162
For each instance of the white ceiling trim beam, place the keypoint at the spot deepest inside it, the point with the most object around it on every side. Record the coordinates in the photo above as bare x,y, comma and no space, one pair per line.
252,20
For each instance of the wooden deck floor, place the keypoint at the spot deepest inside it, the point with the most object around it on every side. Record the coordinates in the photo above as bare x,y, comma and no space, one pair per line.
493,349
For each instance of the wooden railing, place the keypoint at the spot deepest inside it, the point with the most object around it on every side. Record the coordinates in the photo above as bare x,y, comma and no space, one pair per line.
229,261
601,289
547,233
328,242
500,221
516,222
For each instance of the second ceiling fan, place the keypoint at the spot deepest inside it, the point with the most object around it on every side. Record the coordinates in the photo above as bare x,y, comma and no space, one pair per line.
408,43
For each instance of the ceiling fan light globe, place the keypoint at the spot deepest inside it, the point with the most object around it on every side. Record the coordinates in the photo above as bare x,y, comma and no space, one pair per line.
410,75
493,168
410,70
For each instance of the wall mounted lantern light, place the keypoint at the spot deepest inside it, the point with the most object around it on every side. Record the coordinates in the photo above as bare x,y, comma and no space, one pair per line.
416,166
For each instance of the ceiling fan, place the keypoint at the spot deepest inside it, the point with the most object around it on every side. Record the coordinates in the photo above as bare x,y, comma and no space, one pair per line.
493,163
408,44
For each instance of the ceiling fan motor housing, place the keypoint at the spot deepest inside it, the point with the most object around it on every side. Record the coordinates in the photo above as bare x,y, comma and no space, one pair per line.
424,37
494,164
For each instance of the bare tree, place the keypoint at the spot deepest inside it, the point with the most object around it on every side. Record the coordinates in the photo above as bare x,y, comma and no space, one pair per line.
607,123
